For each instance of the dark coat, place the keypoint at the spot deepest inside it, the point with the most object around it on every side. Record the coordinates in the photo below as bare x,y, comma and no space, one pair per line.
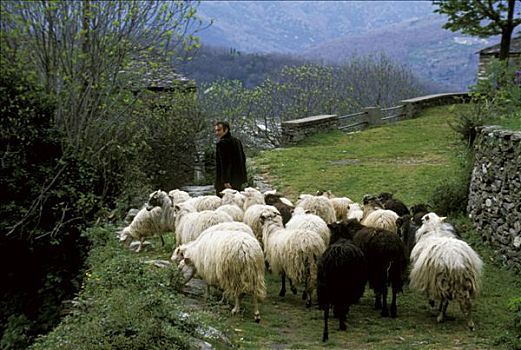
230,163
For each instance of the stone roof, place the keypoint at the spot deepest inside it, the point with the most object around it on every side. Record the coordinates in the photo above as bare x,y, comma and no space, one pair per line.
515,47
155,75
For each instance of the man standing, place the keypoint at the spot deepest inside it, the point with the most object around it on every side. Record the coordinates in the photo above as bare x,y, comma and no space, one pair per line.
230,161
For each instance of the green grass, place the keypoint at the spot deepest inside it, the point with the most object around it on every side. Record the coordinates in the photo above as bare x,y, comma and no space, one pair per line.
129,304
409,158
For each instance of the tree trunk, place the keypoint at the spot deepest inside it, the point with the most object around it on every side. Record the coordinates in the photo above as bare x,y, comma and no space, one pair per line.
506,32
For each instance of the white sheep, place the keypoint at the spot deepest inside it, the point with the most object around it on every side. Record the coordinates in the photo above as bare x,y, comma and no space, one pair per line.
318,205
231,196
253,196
209,202
444,267
355,212
230,260
341,206
252,218
155,218
189,224
307,221
233,210
179,196
292,253
377,217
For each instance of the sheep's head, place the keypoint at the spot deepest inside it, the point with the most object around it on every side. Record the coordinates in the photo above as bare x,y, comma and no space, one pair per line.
324,193
384,196
178,254
272,198
125,237
270,215
432,219
344,229
187,269
156,199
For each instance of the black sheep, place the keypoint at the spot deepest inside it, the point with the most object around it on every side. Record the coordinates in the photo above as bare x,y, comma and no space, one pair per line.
341,277
418,211
393,204
285,210
407,230
386,261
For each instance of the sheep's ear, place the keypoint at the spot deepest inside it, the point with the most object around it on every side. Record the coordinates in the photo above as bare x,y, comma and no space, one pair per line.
443,218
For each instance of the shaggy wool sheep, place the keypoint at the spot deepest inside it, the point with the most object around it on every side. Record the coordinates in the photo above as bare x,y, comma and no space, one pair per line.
319,205
189,224
252,218
375,216
340,204
209,202
230,260
355,212
291,253
341,278
178,196
253,196
386,260
444,267
301,220
231,196
233,210
155,218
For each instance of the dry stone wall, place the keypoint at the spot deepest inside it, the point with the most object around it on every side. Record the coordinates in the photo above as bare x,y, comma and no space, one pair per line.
495,192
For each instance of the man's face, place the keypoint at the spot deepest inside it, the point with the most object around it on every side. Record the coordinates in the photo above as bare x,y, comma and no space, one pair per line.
219,130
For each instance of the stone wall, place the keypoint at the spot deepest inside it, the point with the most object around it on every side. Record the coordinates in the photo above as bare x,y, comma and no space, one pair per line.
296,130
495,192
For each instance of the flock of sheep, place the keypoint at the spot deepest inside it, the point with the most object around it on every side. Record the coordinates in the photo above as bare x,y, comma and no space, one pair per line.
325,245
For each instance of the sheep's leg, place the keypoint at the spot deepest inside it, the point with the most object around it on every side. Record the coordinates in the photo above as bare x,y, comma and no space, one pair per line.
237,306
256,312
162,241
466,308
444,303
283,285
292,287
377,299
393,302
139,246
325,333
385,310
342,316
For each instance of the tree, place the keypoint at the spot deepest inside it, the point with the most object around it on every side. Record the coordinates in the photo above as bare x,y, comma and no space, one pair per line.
482,18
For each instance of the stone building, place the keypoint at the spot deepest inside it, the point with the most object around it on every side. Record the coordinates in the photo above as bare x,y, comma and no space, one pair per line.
488,53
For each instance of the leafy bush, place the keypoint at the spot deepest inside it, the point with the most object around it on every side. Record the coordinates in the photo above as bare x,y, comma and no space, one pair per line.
494,100
123,304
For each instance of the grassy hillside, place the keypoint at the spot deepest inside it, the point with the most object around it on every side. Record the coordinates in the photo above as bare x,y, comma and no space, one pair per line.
128,304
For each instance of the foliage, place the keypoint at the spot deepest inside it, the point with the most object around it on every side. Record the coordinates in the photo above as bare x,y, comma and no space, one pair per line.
482,18
71,138
496,99
301,91
173,125
123,304
514,305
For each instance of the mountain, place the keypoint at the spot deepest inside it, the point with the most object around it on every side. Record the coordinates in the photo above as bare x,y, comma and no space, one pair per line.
407,31
437,55
292,26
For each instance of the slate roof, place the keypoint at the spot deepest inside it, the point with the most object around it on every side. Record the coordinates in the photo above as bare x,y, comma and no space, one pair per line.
155,75
515,47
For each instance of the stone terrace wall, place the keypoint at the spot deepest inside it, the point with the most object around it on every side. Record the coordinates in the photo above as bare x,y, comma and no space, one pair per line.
495,192
295,130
